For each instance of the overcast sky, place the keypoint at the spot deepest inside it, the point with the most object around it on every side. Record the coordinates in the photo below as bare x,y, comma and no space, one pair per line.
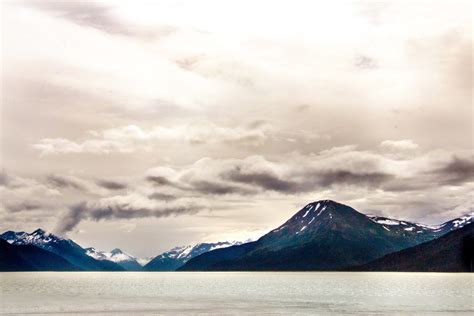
147,125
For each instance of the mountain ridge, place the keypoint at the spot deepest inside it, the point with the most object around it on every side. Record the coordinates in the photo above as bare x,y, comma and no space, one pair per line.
65,248
116,255
176,257
323,235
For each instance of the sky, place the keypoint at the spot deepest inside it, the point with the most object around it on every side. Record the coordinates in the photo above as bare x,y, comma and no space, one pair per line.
148,125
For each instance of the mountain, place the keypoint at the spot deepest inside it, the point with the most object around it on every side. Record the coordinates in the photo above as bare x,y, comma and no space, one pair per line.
121,258
31,258
453,252
65,248
176,257
323,235
456,223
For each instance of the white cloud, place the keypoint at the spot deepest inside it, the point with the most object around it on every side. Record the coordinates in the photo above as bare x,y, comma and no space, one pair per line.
131,138
405,144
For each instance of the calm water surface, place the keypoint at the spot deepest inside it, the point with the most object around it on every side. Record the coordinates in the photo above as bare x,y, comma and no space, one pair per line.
232,293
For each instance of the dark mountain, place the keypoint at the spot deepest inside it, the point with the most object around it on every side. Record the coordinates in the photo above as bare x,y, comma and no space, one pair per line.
126,261
453,252
65,248
176,257
31,258
324,235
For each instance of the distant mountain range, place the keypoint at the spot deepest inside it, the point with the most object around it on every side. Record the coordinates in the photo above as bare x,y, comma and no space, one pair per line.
322,236
43,251
178,256
126,261
65,248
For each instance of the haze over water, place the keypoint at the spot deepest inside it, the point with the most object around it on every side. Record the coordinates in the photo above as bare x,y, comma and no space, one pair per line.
236,293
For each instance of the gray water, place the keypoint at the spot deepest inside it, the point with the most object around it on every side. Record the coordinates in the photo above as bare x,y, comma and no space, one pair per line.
233,293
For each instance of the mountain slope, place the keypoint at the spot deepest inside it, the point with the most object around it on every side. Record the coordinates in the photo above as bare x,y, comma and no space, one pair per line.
31,258
453,252
324,235
176,257
121,258
64,248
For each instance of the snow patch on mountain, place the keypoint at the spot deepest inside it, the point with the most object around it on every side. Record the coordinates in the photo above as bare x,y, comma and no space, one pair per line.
37,237
463,220
184,253
116,255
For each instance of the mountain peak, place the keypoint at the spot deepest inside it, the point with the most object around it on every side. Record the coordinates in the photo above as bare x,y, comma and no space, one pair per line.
116,251
324,202
39,231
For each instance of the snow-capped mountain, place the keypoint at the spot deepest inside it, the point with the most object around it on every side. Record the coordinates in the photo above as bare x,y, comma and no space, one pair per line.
128,262
176,257
65,248
39,238
390,223
457,223
31,258
323,235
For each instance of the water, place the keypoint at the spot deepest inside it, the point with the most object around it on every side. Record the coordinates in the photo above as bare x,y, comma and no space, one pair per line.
270,293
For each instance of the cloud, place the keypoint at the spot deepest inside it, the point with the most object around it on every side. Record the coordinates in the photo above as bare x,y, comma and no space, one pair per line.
98,16
292,174
339,168
131,138
215,187
266,180
456,172
21,196
130,206
64,182
345,177
162,196
3,178
399,145
158,180
111,185
21,206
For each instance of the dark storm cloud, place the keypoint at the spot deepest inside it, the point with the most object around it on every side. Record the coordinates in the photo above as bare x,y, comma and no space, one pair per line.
346,177
404,186
71,218
111,185
457,171
263,179
218,188
98,16
64,182
313,180
162,196
119,210
159,180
